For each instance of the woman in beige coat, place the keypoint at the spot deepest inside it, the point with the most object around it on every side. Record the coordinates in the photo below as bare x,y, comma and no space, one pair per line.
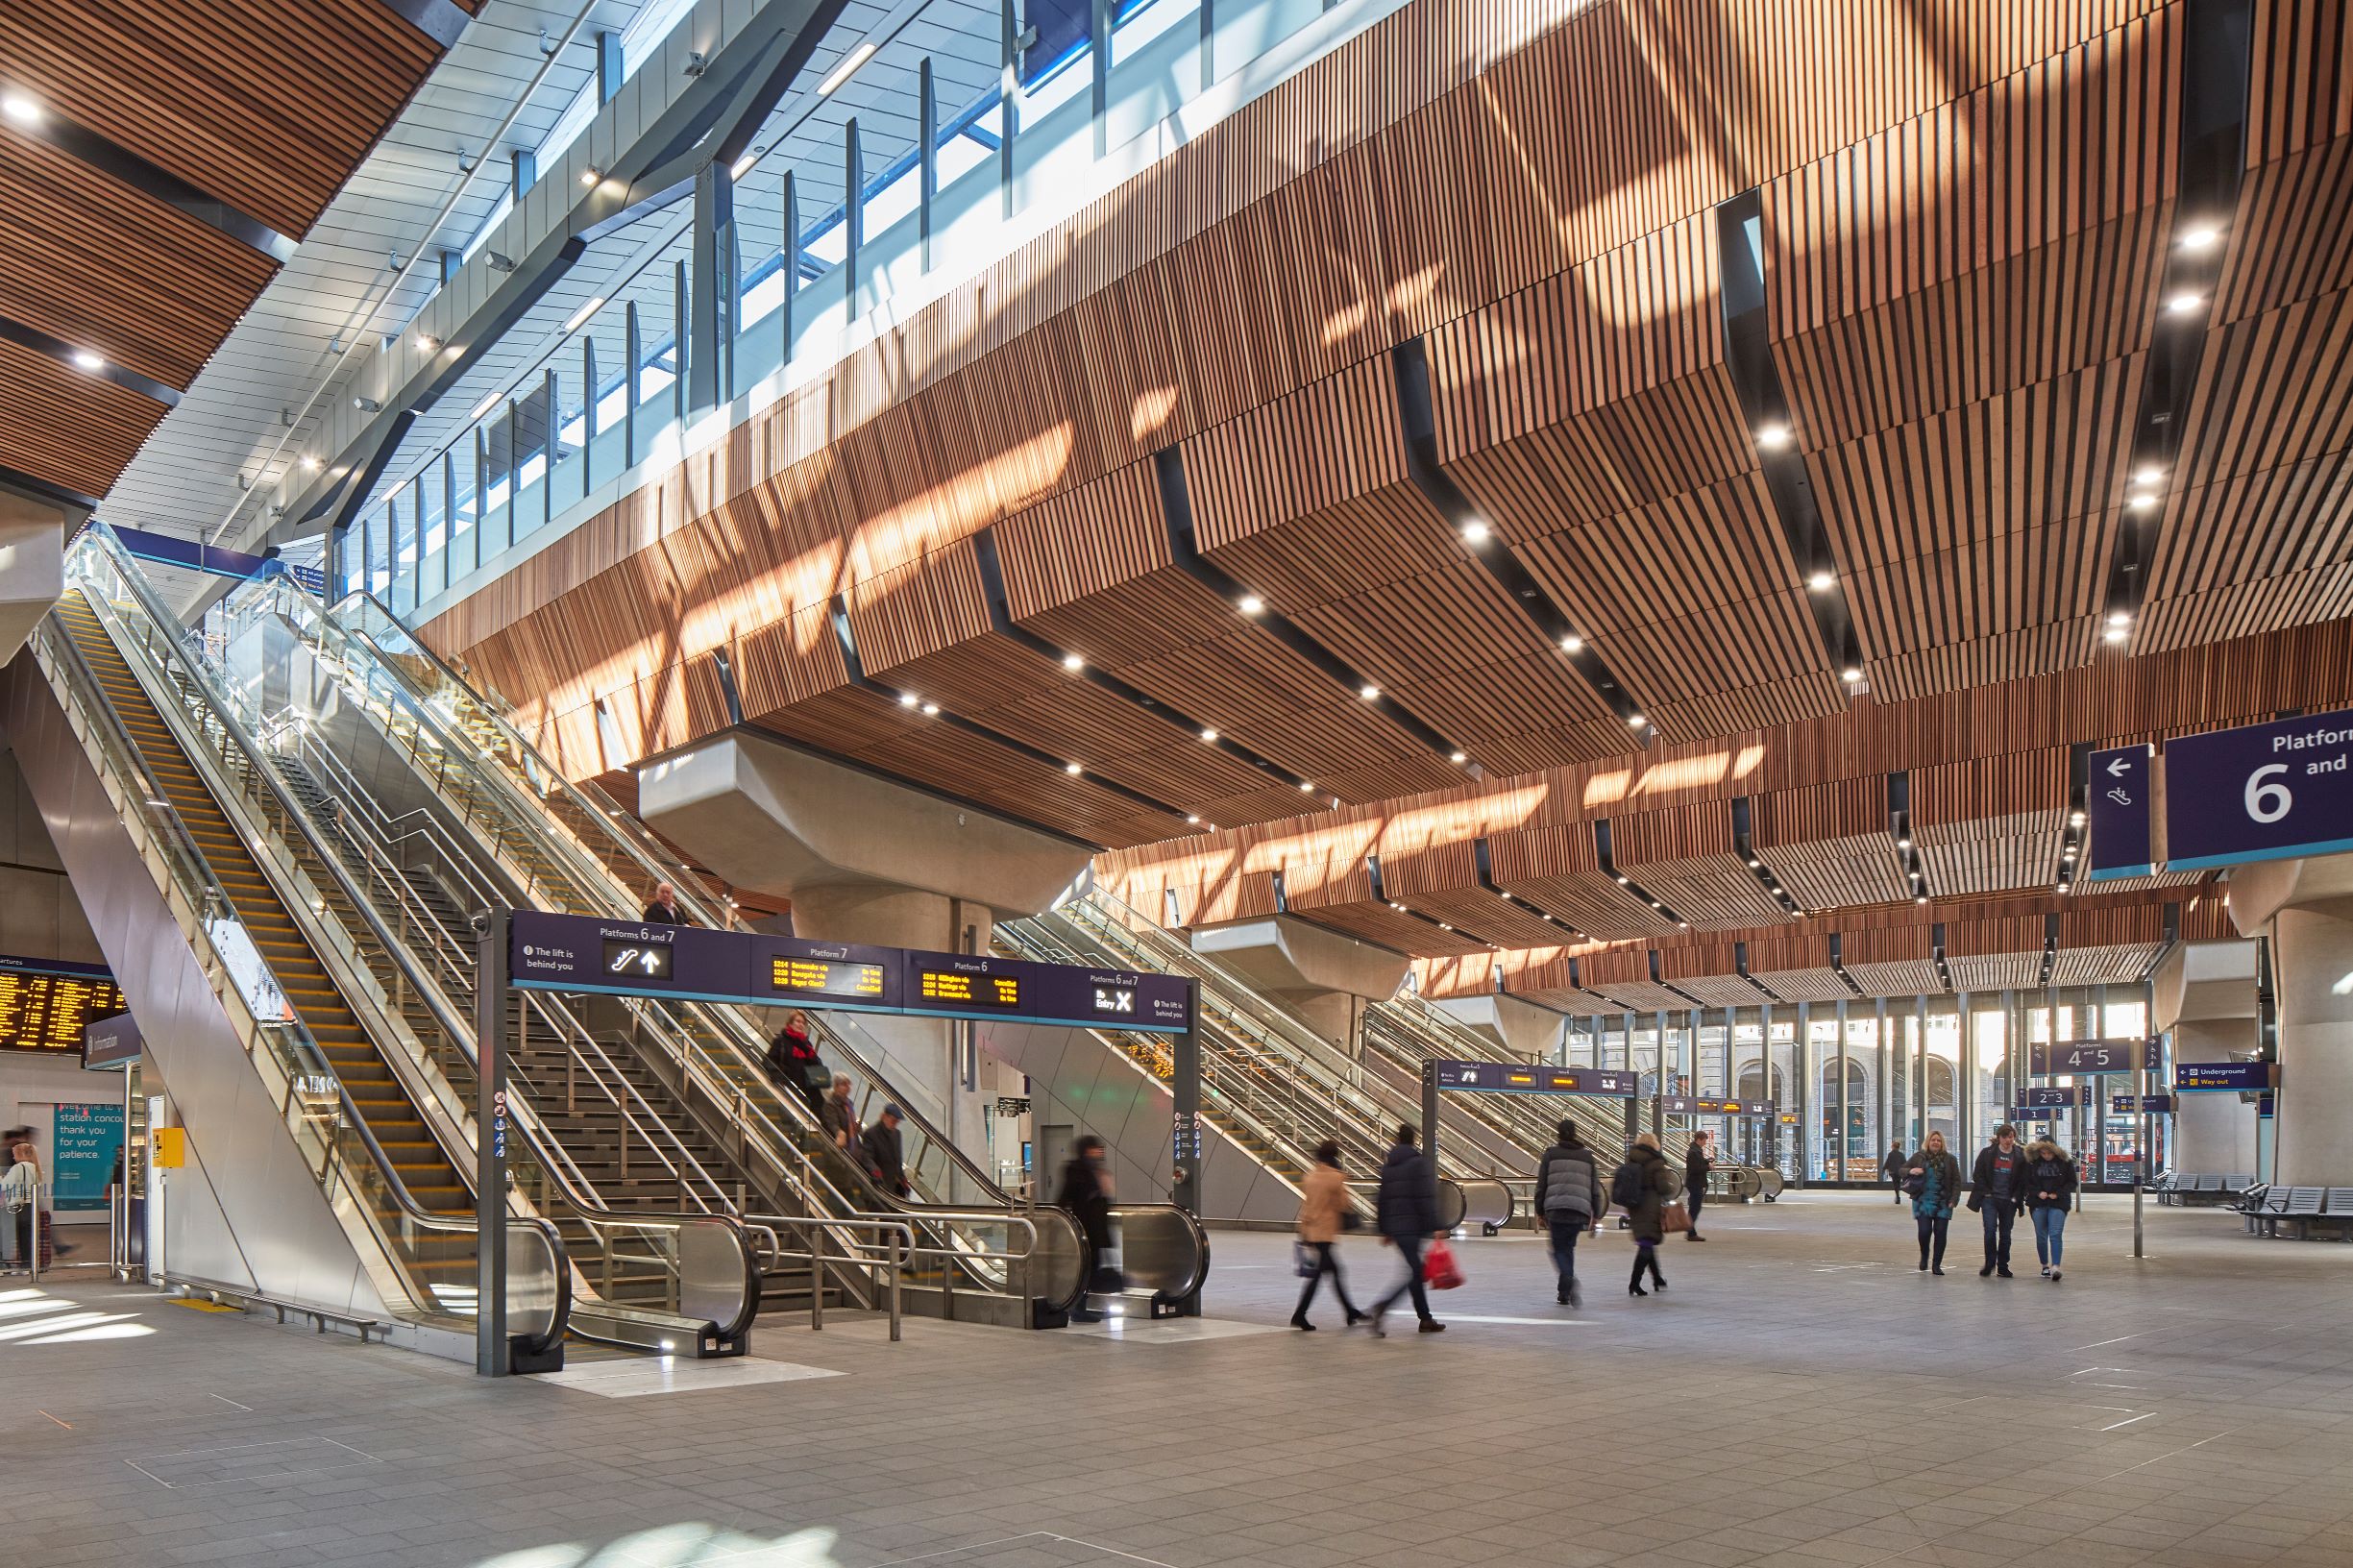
1324,1208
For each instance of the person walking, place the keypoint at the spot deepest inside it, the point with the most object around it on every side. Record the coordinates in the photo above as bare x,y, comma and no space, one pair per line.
1639,1187
20,1193
1697,1164
1933,1179
1998,1192
1892,1167
1324,1211
886,1158
1085,1193
2049,1184
1408,1216
1569,1197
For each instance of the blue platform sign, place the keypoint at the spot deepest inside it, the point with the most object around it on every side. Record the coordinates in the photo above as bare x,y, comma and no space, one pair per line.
2119,810
2264,792
2132,1104
2047,1098
2233,1077
1525,1078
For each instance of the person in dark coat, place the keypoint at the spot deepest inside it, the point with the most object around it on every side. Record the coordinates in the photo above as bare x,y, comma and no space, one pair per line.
1998,1192
1085,1193
793,1061
1646,1217
1892,1166
839,1115
662,906
1939,1175
885,1158
1407,1217
1696,1166
2051,1190
1569,1197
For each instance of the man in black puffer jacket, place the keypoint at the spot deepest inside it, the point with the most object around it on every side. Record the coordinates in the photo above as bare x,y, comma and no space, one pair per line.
1408,1216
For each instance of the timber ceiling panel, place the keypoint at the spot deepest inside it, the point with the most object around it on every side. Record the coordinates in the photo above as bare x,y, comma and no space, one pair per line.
1709,972
1820,985
66,429
1685,857
1829,844
266,105
1377,922
1558,870
1992,824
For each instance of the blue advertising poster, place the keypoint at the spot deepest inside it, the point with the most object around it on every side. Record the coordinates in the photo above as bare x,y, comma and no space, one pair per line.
2119,800
2264,792
87,1137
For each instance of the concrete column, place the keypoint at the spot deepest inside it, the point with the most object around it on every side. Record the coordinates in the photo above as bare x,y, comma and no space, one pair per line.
1318,976
2313,958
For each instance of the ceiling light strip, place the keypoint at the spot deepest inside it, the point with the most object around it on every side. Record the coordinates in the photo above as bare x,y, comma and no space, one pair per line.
1398,906
1481,859
855,668
1907,842
84,360
1744,844
1417,410
1001,622
1780,445
1609,869
1177,505
2216,61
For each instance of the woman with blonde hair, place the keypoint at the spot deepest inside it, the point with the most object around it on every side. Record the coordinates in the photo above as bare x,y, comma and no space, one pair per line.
2051,1190
1933,1179
1639,1187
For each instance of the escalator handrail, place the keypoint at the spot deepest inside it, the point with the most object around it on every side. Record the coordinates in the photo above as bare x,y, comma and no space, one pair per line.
726,1025
306,1048
444,1014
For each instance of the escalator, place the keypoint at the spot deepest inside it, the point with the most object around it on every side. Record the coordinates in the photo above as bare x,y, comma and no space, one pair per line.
307,939
1269,1085
476,818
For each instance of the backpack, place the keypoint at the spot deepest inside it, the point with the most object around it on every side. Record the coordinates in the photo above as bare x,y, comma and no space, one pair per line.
1628,1186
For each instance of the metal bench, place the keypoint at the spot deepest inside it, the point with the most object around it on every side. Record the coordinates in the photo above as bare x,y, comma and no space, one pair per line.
2304,1206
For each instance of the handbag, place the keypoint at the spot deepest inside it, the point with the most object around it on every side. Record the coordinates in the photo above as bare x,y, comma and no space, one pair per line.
1305,1262
1439,1270
1916,1186
1673,1218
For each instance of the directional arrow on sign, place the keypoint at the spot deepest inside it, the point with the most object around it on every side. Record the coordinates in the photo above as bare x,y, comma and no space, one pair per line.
2117,767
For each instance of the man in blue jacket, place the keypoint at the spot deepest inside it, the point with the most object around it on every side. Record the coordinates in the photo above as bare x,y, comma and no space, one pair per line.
1408,1216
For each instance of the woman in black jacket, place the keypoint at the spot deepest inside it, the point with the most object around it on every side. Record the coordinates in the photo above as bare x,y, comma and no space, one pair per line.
1939,1177
2051,1190
1086,1192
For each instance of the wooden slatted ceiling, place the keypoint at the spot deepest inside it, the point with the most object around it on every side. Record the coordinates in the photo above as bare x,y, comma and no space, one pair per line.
92,263
1684,857
1559,871
1378,923
1829,844
65,428
265,106
1992,824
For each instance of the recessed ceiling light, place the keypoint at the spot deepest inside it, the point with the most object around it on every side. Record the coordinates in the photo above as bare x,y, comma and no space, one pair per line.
1460,757
1251,605
1070,768
1209,736
2075,818
1443,926
1505,897
1850,675
2063,887
931,710
1369,692
1773,437
1922,900
2115,634
1622,882
1307,786
310,463
2181,304
84,359
1474,533
908,700
2141,502
1572,643
1193,820
1073,663
2119,618
1636,720
1755,865
2200,238
2148,475
1903,844
19,107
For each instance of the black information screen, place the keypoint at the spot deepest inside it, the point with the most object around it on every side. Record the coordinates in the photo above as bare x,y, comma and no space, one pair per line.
824,977
49,1011
636,960
949,988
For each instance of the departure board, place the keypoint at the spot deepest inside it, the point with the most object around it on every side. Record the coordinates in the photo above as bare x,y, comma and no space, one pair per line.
823,977
951,989
41,1012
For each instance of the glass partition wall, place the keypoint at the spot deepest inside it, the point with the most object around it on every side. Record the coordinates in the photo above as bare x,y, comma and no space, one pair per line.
1849,1079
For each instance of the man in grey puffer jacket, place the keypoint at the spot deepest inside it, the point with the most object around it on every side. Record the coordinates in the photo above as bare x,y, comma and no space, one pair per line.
1569,1197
